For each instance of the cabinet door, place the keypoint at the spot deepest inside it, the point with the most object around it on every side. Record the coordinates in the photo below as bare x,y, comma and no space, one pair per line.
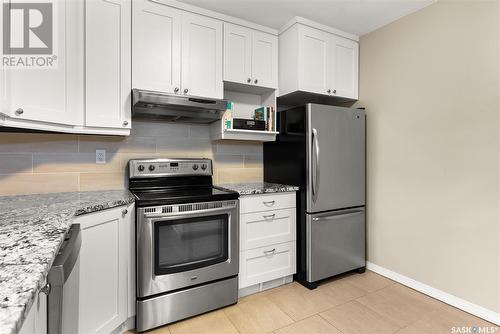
344,72
103,271
237,54
108,63
314,64
265,60
52,94
36,320
41,314
156,46
201,56
129,222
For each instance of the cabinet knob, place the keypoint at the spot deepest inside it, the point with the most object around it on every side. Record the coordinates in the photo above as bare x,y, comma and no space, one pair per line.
329,91
255,81
176,89
249,80
20,111
334,91
46,289
125,123
124,212
186,90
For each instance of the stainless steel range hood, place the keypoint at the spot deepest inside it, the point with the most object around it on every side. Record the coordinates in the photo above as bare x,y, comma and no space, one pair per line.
176,108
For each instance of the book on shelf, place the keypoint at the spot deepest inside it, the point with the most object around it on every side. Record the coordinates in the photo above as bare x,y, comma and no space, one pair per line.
227,118
267,114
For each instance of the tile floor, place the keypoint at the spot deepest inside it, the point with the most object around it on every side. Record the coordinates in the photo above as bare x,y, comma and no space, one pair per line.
353,304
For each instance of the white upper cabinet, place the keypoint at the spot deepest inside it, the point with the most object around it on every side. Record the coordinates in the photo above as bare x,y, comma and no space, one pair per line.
344,74
237,53
87,90
314,58
175,51
250,56
156,51
51,94
265,59
317,60
201,56
108,63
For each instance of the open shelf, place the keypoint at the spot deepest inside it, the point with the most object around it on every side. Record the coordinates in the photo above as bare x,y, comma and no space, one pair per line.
245,98
217,132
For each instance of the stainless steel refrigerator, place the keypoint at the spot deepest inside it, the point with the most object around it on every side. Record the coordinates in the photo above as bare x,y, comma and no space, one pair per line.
321,149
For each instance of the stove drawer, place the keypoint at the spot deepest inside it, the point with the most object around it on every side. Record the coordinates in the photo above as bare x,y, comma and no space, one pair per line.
267,263
267,228
266,202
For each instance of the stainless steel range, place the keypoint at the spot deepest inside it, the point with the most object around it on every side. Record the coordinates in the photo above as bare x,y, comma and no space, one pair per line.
187,240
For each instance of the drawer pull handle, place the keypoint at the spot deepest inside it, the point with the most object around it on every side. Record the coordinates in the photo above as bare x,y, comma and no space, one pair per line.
270,251
269,216
269,203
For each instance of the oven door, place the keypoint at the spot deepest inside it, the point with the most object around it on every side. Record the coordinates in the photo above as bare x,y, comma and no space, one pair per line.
184,245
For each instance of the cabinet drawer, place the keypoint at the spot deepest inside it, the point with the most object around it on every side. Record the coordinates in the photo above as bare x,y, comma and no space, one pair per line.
266,202
267,228
267,263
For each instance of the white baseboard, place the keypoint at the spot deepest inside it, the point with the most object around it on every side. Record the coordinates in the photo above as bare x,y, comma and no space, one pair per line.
445,297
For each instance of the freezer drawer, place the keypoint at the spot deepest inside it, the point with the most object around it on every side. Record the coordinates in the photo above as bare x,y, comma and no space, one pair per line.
335,242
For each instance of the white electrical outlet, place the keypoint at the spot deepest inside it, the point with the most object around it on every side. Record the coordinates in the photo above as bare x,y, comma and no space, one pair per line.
100,156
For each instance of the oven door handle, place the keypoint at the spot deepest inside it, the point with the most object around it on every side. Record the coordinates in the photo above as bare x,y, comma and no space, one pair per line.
174,215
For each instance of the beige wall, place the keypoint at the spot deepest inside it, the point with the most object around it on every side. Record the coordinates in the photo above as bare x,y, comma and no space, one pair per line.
38,163
431,84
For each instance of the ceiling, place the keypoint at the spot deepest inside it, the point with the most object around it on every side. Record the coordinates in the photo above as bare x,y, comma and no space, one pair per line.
354,16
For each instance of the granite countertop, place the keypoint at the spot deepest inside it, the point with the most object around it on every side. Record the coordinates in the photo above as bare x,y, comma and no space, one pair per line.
32,228
254,188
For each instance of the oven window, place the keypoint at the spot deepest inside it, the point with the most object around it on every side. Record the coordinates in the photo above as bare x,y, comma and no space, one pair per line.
190,243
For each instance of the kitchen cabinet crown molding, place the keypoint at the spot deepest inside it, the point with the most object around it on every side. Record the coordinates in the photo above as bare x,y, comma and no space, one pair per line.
316,25
216,15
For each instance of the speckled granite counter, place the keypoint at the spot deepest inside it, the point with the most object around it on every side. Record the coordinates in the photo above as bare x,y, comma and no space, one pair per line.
32,228
254,188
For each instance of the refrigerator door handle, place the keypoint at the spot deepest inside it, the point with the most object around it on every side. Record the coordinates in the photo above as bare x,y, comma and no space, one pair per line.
315,183
338,216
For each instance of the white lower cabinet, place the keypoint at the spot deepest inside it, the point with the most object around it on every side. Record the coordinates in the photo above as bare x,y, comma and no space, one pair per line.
267,263
267,241
36,320
260,229
106,264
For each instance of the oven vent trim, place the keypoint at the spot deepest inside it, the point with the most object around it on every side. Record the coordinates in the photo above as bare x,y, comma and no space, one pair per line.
191,207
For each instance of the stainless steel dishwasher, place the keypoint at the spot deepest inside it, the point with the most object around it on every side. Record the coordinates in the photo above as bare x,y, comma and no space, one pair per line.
63,285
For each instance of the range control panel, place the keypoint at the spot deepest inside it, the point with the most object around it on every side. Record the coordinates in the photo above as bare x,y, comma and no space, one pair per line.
169,167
